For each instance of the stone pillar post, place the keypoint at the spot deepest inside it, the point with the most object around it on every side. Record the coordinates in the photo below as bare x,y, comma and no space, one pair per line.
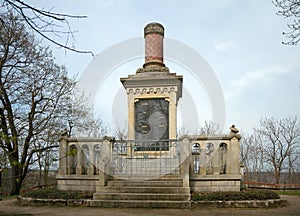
91,168
234,153
216,161
131,124
131,102
63,162
185,161
102,174
79,165
172,118
105,166
235,156
173,122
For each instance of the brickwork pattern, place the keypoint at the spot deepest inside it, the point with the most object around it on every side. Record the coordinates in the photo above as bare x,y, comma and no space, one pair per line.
154,48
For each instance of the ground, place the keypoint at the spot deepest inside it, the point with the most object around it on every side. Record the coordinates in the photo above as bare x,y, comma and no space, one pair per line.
8,207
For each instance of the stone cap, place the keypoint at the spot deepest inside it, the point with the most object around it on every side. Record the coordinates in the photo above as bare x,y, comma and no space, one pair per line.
154,27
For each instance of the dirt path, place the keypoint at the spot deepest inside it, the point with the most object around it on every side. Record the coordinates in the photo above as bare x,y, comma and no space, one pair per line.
8,207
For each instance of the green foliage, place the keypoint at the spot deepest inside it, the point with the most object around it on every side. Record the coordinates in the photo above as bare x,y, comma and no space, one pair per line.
72,152
17,163
235,196
53,193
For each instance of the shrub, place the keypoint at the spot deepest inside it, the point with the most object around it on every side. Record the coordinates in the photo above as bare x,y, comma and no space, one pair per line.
235,196
53,193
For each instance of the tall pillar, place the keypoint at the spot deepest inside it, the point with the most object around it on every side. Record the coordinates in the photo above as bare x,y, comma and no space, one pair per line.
154,35
149,89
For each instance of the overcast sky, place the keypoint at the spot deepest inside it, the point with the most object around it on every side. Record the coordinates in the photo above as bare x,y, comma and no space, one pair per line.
240,40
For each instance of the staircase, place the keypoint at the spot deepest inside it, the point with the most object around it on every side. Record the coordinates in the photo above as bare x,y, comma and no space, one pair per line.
158,193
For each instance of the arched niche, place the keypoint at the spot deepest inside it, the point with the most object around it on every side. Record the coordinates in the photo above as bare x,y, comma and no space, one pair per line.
196,149
72,156
85,158
223,157
209,150
97,158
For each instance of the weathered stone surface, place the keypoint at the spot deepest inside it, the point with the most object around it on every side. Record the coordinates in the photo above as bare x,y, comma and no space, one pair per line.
75,202
25,201
164,193
240,204
140,204
77,183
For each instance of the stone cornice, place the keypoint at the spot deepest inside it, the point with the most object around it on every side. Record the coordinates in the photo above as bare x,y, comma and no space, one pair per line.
210,137
215,137
89,139
151,90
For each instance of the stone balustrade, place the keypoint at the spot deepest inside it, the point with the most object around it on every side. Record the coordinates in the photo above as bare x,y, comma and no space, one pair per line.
204,162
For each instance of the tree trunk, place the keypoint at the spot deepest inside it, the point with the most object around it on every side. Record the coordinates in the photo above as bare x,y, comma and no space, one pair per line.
40,174
16,180
277,176
46,171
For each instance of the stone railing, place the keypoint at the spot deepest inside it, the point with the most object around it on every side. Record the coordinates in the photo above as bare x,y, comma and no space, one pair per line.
214,159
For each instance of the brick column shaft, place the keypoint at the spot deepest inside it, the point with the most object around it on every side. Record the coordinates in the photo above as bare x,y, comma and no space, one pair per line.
154,35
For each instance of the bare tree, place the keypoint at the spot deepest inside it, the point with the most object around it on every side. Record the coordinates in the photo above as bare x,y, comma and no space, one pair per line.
182,131
121,132
81,117
281,139
33,93
52,26
209,128
252,156
81,121
290,9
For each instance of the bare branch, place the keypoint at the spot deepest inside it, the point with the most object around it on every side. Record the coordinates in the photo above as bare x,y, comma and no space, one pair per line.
46,23
290,9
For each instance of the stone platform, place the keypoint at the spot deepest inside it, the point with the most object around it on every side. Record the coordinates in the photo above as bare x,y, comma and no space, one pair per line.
159,193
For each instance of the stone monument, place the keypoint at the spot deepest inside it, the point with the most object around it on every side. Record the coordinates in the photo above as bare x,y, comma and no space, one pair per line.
153,164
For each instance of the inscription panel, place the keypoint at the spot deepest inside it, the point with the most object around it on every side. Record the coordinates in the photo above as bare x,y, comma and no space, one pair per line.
152,123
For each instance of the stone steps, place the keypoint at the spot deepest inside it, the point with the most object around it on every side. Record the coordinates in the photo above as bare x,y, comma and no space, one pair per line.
142,183
141,196
140,204
147,177
161,190
159,193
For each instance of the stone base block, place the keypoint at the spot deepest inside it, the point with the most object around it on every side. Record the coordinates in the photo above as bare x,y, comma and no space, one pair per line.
215,184
77,183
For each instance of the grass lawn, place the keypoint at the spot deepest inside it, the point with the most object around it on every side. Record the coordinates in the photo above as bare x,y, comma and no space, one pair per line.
289,192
